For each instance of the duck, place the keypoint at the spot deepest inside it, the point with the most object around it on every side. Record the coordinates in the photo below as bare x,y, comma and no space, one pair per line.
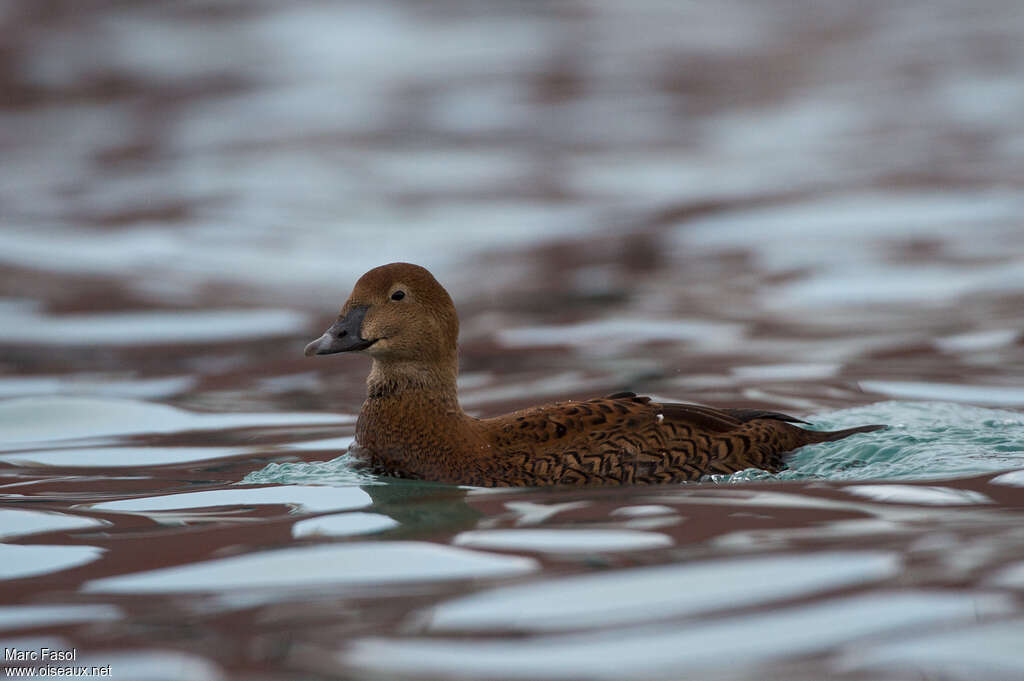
411,424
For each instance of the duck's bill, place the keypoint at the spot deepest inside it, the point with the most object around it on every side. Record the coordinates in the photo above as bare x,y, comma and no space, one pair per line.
343,336
328,344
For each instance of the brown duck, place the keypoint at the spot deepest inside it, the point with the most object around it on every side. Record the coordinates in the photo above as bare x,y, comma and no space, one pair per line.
411,424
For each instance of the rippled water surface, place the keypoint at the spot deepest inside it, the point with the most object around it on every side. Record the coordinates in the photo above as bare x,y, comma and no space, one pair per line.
807,207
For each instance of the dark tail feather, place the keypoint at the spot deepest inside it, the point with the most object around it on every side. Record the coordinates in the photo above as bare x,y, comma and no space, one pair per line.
833,435
745,415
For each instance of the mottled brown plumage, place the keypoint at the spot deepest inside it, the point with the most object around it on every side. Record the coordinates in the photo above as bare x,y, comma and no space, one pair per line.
412,426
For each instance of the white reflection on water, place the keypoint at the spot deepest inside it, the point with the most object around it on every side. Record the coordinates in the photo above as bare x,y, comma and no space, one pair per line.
916,494
840,530
16,522
644,510
295,568
645,594
96,384
1011,576
986,652
792,372
667,652
534,513
118,457
174,261
26,616
1001,396
24,324
18,561
342,525
1015,478
828,233
975,341
879,285
613,334
305,498
563,540
47,419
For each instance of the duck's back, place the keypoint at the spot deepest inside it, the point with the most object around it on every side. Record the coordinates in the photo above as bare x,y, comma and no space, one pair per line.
626,439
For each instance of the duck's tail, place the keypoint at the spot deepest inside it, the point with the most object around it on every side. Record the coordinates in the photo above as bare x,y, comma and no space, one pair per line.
815,436
769,441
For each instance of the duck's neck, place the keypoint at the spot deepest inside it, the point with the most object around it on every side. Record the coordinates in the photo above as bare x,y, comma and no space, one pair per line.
404,380
411,424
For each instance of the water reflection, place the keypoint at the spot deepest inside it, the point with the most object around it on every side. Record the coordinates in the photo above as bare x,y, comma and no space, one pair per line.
563,541
31,616
17,522
297,497
19,561
986,651
51,419
639,595
760,204
342,525
371,564
708,649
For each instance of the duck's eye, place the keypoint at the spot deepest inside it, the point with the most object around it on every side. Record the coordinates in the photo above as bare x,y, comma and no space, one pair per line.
398,295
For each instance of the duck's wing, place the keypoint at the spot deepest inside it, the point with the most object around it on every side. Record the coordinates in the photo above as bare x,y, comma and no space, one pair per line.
629,421
628,438
745,415
713,418
623,438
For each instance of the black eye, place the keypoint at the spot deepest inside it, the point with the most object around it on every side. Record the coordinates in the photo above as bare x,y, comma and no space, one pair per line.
398,295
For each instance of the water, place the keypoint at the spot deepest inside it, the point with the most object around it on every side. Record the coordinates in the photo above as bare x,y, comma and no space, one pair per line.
216,563
811,208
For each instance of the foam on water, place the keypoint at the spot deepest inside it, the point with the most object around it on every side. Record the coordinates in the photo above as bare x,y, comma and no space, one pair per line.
924,440
337,472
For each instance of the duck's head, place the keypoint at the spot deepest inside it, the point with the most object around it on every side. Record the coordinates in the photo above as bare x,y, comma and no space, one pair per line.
396,313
